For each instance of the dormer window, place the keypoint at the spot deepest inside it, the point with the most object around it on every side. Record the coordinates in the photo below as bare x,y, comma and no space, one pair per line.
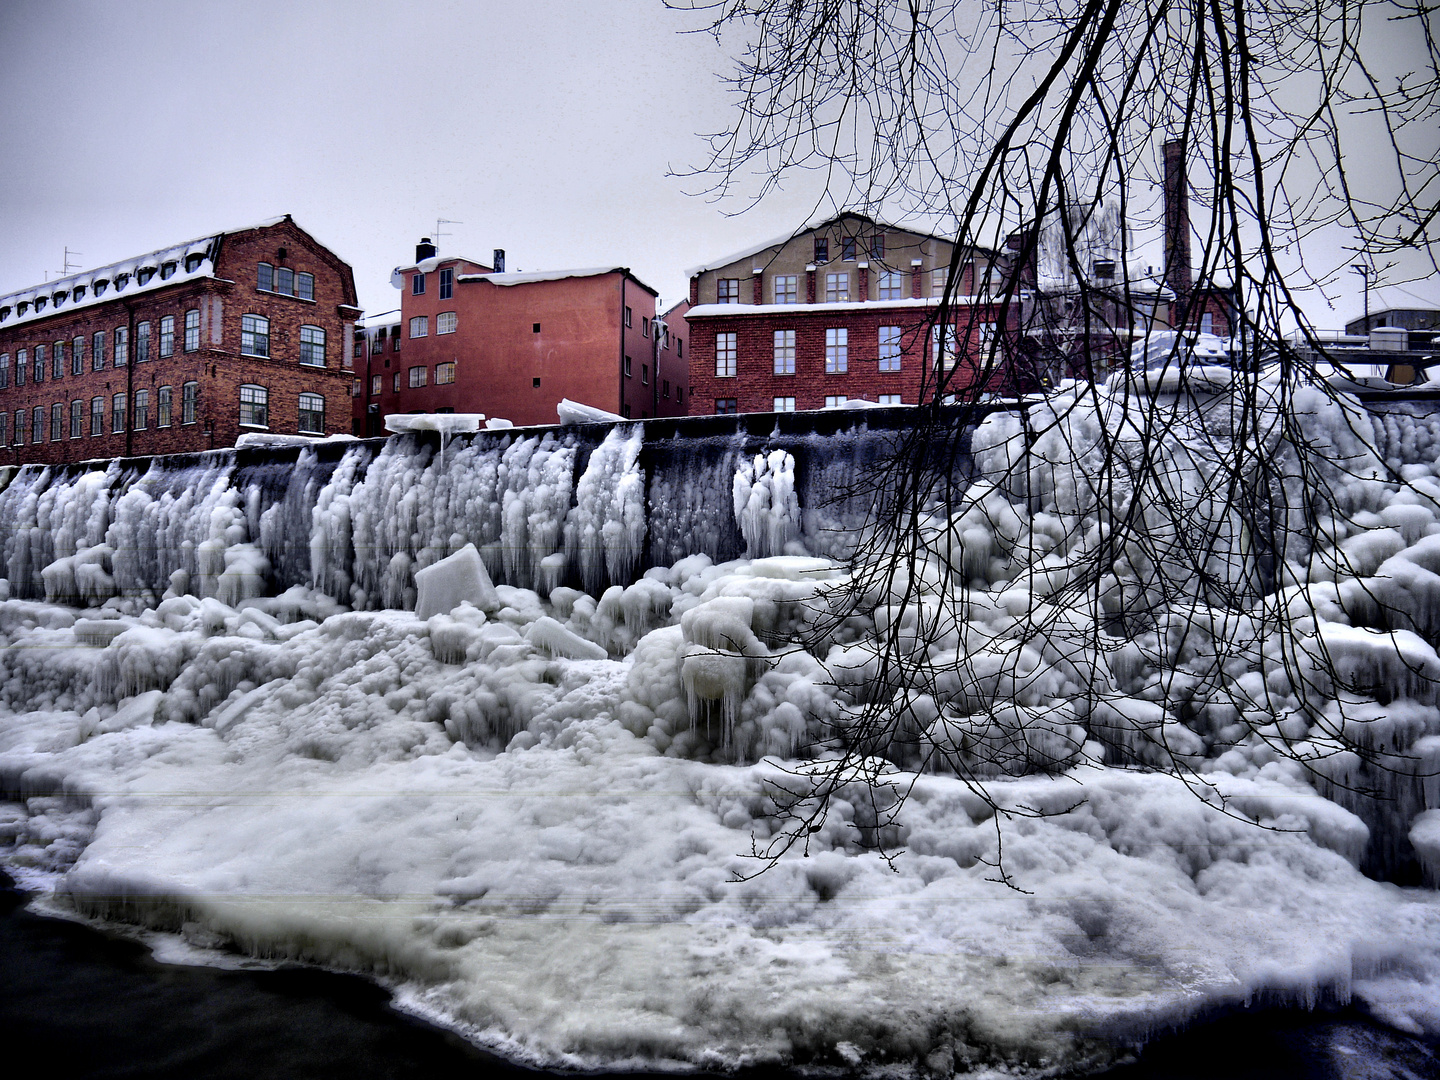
192,263
101,286
167,271
79,293
40,303
60,298
121,280
4,313
144,274
22,307
1105,269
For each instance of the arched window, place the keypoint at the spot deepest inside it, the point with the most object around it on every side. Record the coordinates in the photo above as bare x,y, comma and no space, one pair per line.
254,406
57,421
77,418
162,407
254,335
97,416
312,346
312,414
192,330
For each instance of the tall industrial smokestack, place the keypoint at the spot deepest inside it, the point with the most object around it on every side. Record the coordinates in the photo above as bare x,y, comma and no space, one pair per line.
1177,224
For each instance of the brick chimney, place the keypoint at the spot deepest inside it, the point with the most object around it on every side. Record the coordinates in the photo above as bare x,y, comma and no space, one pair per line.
1177,224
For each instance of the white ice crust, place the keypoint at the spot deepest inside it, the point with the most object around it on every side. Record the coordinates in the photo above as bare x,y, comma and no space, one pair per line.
532,805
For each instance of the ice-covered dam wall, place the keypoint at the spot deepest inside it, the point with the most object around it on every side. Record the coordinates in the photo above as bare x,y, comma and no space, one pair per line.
589,505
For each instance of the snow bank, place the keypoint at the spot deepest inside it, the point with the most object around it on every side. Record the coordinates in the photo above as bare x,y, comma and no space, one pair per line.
534,799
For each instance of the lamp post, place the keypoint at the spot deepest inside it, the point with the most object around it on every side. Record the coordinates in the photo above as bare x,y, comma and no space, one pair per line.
1364,272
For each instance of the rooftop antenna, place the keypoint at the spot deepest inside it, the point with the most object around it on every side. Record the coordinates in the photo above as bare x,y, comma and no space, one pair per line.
439,234
71,265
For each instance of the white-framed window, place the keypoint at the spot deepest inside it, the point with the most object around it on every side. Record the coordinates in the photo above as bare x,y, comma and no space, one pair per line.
189,396
97,351
937,280
644,326
4,429
57,360
312,346
312,414
834,401
37,424
446,322
37,373
889,348
629,317
265,277
57,421
20,419
417,285
727,291
305,286
142,342
837,288
254,335
77,418
837,351
119,412
784,404
395,382
786,289
447,284
987,333
21,360
142,409
1207,323
891,285
445,373
847,249
4,375
944,345
784,352
254,406
122,346
725,356
417,376
192,330
77,355
889,399
377,385
167,336
97,416
420,326
357,387
644,374
162,406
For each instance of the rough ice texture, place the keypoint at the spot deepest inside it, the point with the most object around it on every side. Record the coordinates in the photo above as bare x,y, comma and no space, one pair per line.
573,412
535,792
445,423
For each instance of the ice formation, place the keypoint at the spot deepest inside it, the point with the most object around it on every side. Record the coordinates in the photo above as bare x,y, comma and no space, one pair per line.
505,728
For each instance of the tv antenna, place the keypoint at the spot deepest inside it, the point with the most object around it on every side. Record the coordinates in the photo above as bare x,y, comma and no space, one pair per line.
71,265
439,234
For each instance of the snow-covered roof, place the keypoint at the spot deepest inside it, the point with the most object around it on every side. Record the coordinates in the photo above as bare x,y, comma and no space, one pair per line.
553,275
778,241
712,310
429,266
190,260
384,318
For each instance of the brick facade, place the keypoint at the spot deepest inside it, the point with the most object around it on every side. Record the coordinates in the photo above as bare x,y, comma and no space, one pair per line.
755,385
213,282
513,345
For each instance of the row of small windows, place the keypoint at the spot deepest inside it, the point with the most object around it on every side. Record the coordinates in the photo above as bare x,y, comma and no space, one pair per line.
727,406
254,341
944,349
119,408
888,284
418,376
285,281
445,323
100,286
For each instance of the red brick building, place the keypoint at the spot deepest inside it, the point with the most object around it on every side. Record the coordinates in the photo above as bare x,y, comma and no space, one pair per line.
845,309
512,345
181,349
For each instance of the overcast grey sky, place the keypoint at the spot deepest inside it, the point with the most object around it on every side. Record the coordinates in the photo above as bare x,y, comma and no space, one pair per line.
546,127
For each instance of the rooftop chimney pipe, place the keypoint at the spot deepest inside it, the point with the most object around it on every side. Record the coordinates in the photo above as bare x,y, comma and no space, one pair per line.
497,261
424,249
1177,224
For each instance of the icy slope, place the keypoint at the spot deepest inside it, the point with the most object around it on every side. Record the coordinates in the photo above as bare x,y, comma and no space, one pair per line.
533,809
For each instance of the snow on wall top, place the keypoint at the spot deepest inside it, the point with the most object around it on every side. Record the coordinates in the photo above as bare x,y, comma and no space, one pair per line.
553,275
190,260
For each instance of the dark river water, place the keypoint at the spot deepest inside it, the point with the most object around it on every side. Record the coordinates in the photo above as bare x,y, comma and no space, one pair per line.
90,1005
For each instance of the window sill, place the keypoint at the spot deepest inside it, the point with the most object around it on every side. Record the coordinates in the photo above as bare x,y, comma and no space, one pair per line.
287,296
256,427
255,355
304,363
